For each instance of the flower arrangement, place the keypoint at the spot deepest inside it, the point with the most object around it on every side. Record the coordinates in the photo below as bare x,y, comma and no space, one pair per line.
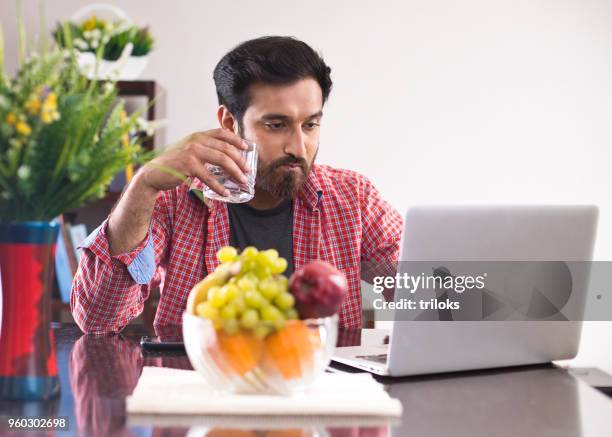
62,136
114,36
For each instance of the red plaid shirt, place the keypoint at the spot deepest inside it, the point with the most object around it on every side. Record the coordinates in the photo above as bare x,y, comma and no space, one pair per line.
339,217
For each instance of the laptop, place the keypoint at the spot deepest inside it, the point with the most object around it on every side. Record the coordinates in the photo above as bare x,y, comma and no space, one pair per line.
442,341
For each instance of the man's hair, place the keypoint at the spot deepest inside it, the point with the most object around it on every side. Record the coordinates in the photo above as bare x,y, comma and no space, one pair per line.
280,60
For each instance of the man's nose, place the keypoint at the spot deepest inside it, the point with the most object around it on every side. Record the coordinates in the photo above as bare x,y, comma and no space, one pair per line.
296,144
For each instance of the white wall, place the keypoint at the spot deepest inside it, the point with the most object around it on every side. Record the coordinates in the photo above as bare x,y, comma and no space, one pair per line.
437,101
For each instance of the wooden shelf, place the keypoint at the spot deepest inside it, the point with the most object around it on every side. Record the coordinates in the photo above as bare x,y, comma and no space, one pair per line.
145,88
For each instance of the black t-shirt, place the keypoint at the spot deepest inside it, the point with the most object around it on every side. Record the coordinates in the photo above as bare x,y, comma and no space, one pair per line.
264,229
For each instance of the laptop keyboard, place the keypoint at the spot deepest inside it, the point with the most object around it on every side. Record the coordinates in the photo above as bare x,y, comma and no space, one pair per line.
377,358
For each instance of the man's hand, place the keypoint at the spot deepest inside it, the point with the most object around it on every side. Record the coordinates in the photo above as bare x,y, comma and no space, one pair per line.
129,220
189,157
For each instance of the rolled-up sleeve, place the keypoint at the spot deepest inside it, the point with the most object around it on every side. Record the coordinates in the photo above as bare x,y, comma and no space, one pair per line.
140,262
109,291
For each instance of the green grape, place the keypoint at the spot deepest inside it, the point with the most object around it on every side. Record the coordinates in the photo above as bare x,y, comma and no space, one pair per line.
268,288
291,314
282,283
239,304
231,326
249,319
217,297
261,330
263,272
249,265
272,254
227,254
279,265
254,299
248,282
231,291
211,291
228,312
284,301
264,259
249,253
206,310
271,314
261,258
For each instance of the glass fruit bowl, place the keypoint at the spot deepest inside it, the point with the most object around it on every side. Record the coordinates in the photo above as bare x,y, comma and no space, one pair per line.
283,362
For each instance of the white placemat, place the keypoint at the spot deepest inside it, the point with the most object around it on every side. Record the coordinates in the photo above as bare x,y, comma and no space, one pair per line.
162,390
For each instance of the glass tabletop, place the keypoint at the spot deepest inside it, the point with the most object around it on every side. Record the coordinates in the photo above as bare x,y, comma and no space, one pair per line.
97,373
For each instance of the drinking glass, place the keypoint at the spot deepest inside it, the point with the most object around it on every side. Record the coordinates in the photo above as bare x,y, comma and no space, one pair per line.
239,193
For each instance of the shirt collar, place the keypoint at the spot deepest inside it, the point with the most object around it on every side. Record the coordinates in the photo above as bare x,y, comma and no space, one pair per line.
311,191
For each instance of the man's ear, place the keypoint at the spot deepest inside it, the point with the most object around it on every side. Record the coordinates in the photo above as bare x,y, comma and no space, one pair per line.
226,119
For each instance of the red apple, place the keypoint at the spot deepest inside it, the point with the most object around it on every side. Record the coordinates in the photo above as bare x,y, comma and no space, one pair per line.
319,289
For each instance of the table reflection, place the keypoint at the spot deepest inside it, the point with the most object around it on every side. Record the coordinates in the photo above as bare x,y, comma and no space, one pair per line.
103,371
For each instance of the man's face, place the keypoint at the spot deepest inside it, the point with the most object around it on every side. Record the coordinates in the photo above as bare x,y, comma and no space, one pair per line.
284,121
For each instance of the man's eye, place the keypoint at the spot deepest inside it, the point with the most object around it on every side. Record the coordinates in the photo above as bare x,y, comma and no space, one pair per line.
274,126
311,125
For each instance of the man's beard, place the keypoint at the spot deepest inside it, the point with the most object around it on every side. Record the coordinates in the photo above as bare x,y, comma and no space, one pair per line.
282,183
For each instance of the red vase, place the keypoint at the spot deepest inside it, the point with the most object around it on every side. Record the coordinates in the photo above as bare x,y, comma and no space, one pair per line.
28,366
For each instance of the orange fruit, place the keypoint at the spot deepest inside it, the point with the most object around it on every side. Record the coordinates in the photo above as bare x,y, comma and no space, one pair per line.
237,353
290,350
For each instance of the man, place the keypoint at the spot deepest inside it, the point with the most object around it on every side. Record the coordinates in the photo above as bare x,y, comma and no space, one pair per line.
271,91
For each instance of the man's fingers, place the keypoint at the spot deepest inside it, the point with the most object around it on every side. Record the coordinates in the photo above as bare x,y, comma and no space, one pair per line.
230,137
228,164
216,157
223,135
230,150
210,180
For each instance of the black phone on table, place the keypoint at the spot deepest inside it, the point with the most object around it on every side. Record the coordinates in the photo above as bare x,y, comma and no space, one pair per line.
162,342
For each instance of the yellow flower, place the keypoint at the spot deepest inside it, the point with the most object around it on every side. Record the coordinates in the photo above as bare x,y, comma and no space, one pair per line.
23,128
33,105
49,109
49,116
125,139
90,24
11,118
52,98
